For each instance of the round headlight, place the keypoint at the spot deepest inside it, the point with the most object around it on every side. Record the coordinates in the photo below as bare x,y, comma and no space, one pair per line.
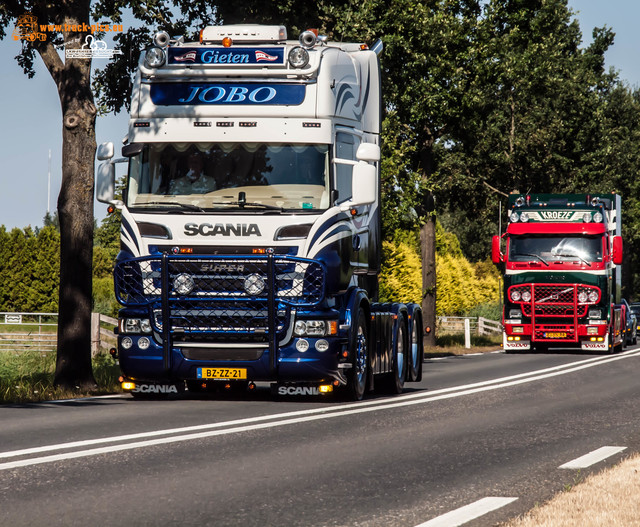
322,345
586,217
300,328
154,57
514,217
524,216
597,217
254,284
126,343
143,343
145,325
183,284
582,297
515,295
526,296
298,57
593,296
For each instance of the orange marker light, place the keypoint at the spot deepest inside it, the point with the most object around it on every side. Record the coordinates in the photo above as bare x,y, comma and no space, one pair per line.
226,42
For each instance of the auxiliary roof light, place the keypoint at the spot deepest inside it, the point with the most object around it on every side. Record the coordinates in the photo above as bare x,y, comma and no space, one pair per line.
298,57
155,57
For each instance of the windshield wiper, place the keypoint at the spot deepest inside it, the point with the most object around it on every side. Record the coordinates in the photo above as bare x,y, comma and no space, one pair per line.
243,204
187,206
567,255
535,256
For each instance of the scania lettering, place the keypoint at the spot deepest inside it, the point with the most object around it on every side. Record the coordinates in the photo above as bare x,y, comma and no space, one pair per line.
562,272
155,388
298,390
219,229
251,230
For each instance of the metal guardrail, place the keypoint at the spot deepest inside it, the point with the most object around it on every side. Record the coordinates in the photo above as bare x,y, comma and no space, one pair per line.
39,332
481,325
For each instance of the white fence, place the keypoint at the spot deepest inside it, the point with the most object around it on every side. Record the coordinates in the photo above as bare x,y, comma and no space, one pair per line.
39,332
483,326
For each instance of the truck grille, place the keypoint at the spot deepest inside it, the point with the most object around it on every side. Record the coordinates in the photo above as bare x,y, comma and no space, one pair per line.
220,298
554,309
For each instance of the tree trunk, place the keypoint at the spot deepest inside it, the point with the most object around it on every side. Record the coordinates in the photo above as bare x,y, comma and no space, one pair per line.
428,250
75,202
75,211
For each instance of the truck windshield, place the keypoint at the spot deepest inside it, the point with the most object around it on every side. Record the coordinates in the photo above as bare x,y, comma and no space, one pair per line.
559,248
204,176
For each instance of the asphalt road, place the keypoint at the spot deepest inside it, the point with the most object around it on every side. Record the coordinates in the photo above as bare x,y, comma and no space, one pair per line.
480,433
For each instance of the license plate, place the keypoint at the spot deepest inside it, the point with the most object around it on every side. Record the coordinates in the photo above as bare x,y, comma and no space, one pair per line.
223,374
556,335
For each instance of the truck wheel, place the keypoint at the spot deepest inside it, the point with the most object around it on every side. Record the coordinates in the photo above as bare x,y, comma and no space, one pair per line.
394,381
359,371
416,352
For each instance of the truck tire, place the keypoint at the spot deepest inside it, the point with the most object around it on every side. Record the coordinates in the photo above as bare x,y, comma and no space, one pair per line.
416,348
394,381
359,371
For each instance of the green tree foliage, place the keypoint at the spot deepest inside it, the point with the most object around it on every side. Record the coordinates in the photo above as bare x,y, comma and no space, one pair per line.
401,277
462,286
29,270
105,250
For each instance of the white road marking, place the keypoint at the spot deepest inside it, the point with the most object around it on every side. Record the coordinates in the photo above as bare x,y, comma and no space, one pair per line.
468,512
593,457
288,418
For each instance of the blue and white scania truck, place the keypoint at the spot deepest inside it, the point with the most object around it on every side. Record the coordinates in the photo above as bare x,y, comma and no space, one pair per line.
250,238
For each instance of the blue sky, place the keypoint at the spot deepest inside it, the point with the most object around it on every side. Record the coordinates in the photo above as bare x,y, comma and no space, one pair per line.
32,117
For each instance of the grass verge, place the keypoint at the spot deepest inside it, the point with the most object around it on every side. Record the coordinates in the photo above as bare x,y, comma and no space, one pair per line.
27,376
450,344
607,498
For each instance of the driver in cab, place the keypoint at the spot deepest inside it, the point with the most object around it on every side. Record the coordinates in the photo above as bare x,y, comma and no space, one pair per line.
195,180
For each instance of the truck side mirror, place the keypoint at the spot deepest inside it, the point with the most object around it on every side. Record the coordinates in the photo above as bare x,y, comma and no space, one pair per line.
106,182
368,152
617,250
105,151
363,184
496,255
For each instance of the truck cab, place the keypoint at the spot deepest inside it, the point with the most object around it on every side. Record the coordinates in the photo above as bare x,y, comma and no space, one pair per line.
251,216
561,272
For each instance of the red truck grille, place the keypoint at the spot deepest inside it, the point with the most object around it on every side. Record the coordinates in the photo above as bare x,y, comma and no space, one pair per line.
554,309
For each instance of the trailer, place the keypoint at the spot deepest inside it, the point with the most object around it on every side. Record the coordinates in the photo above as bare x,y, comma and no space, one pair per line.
251,230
